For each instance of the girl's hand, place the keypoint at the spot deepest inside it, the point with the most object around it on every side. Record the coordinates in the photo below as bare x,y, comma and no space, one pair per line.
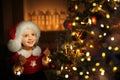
22,60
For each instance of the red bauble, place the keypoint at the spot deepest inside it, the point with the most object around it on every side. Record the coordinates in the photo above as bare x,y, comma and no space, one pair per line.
94,20
53,66
68,24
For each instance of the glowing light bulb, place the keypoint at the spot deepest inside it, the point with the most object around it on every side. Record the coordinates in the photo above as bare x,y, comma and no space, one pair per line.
92,32
97,64
109,47
86,76
91,46
93,69
82,59
103,54
115,68
74,68
116,48
94,4
73,23
87,53
81,73
107,16
102,25
66,76
112,38
77,18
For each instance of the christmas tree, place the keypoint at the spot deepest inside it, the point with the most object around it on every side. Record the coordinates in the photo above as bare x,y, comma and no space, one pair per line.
89,47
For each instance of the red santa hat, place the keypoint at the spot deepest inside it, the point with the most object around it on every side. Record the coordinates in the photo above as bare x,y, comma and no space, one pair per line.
15,32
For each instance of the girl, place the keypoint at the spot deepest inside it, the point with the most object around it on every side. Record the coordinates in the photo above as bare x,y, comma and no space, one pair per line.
28,59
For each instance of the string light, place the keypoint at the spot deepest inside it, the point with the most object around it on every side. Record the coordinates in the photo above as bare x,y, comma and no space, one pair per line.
81,73
86,77
74,68
115,68
103,54
92,32
93,69
76,7
82,59
116,48
66,76
97,64
109,47
112,38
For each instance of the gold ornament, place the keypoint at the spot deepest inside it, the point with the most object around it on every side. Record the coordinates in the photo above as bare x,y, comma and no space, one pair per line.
18,69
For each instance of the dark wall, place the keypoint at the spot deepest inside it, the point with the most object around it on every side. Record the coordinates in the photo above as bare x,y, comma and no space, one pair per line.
1,23
12,12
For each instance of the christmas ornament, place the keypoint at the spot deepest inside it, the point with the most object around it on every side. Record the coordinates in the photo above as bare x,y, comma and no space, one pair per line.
94,20
68,24
18,69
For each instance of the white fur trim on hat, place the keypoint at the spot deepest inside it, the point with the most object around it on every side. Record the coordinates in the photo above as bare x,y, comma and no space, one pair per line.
15,45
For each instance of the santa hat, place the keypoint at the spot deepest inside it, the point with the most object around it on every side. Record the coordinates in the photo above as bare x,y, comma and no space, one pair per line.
15,32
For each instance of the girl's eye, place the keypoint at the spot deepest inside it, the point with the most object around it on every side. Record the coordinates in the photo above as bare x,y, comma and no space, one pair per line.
25,35
33,34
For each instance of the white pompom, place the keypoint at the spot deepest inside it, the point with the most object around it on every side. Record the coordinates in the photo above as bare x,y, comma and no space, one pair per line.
14,45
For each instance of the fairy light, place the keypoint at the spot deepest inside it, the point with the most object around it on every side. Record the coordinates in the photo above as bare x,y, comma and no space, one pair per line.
104,34
109,47
89,21
115,8
66,67
93,69
116,48
87,72
115,68
99,8
86,76
89,58
76,7
87,53
92,32
77,18
74,68
100,36
73,33
91,46
103,54
107,26
112,38
71,47
102,71
107,16
81,73
102,25
62,68
97,64
66,76
94,4
82,59
73,23
81,41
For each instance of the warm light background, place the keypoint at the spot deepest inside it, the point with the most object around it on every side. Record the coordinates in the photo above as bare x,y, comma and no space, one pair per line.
49,15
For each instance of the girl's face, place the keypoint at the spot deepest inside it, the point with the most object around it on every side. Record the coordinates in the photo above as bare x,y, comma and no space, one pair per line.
29,39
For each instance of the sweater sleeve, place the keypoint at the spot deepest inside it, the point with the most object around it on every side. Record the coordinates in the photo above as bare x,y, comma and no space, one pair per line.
14,58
